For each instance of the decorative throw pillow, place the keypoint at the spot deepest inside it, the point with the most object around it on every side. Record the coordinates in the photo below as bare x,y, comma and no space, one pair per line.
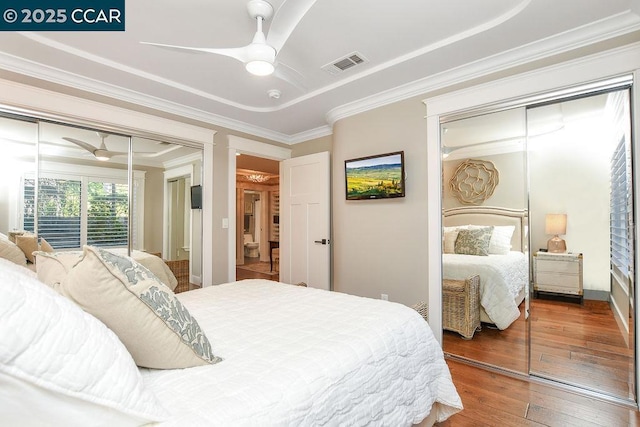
53,267
474,242
450,237
10,251
156,328
60,365
13,233
45,246
28,243
500,243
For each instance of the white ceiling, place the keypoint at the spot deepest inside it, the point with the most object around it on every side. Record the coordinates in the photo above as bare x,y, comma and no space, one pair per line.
412,46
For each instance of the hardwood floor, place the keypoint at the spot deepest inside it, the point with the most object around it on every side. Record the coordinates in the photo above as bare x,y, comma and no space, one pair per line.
242,274
576,344
505,349
492,399
580,345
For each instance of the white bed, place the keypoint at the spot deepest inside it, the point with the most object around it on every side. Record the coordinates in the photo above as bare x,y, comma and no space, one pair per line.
291,356
503,278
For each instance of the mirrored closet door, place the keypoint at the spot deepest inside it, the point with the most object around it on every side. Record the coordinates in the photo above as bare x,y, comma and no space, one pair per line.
75,186
581,196
560,174
485,254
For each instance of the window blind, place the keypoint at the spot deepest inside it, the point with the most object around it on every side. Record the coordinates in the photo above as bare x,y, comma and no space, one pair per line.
107,214
59,216
68,223
621,210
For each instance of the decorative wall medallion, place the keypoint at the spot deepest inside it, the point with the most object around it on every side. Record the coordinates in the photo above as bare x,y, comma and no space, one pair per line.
474,181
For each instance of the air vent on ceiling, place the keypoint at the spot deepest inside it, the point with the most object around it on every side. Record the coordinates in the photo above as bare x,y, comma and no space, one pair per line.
345,63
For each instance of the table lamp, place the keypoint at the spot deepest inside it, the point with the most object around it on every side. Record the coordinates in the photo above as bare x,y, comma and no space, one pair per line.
556,224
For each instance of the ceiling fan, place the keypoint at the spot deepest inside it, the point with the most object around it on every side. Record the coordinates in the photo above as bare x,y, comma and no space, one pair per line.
100,153
259,57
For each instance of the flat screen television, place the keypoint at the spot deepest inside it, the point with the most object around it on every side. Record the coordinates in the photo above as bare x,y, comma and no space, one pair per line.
196,197
375,177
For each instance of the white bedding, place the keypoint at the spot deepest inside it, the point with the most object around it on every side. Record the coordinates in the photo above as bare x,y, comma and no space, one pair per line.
297,356
502,278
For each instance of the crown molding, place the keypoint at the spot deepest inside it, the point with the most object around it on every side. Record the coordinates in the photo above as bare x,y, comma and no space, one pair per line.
308,135
470,32
589,34
593,33
54,75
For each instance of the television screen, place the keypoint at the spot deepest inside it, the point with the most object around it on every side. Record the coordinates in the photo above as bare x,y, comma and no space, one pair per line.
196,197
375,177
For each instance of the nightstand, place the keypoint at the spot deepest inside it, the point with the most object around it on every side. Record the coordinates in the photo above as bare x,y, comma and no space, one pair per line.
559,274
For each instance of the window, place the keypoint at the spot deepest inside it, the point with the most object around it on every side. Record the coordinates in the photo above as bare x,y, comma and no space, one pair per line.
74,210
621,210
59,203
107,214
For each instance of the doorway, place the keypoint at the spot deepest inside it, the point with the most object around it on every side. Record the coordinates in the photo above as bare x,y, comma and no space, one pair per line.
179,219
257,214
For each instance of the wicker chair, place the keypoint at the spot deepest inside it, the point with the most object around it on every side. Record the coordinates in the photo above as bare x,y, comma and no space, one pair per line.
180,269
461,306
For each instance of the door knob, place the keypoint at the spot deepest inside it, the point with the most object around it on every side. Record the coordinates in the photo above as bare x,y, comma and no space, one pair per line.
323,241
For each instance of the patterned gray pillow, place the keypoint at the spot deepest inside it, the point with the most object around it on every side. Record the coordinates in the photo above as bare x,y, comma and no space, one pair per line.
154,326
474,242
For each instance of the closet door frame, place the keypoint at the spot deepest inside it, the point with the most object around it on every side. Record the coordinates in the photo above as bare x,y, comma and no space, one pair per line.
603,71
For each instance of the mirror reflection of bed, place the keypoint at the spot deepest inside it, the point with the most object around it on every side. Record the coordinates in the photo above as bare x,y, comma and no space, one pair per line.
503,283
572,157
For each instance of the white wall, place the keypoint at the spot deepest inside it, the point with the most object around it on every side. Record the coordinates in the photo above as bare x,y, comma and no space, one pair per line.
569,173
379,246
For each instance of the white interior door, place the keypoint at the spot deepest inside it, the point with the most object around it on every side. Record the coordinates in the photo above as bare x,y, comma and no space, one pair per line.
305,220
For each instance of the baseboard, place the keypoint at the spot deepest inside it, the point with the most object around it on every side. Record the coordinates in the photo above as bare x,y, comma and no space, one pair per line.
597,295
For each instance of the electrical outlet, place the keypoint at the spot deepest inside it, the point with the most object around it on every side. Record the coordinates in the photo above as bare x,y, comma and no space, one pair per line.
384,297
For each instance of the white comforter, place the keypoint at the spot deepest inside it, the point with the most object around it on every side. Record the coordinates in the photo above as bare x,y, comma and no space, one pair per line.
502,278
298,356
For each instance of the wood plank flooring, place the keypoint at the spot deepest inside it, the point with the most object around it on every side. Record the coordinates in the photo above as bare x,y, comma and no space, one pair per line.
505,349
242,274
580,345
576,344
492,399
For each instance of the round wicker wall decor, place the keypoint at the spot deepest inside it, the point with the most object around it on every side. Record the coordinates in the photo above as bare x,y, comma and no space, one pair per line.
474,181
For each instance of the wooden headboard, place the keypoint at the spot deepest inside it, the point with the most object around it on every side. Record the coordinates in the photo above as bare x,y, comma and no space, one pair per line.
488,215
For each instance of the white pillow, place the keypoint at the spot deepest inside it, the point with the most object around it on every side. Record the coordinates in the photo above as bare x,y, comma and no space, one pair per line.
10,251
500,243
61,366
156,328
450,237
53,267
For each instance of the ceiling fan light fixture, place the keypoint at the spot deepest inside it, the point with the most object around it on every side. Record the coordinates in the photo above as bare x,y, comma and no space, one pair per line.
101,155
260,68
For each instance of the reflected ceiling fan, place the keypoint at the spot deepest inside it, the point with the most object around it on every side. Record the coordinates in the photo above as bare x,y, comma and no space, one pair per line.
100,153
259,57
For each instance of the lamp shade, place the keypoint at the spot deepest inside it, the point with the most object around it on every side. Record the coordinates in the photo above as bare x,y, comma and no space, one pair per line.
556,224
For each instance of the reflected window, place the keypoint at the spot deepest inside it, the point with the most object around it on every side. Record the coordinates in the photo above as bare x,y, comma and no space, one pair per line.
62,212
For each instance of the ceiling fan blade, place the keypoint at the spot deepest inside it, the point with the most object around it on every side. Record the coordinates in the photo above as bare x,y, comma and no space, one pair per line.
285,20
90,148
289,75
239,53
